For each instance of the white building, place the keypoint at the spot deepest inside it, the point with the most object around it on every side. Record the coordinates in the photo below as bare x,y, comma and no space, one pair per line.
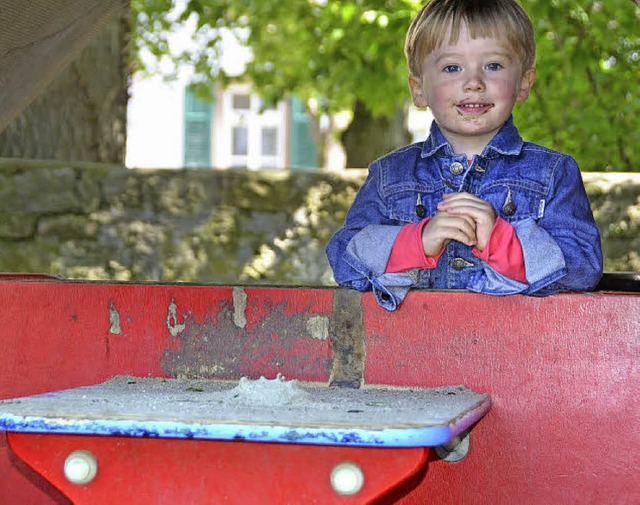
170,127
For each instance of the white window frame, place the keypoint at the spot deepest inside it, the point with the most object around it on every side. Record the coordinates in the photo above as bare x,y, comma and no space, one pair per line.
255,121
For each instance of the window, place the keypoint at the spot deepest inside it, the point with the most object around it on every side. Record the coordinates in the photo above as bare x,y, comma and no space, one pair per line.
240,141
250,136
241,102
269,141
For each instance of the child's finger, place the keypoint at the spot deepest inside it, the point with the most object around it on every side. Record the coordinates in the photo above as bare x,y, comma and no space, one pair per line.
459,195
460,228
451,200
465,198
475,212
464,203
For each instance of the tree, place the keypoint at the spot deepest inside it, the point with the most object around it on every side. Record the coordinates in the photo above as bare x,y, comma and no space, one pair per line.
586,99
336,54
348,55
82,114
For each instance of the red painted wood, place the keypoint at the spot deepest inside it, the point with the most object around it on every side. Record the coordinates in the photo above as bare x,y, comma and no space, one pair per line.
56,335
171,471
59,333
562,371
563,375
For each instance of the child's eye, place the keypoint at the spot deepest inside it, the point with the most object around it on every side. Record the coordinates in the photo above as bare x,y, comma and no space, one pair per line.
451,68
494,66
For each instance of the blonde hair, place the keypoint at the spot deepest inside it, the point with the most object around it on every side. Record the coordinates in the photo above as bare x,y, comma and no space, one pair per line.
483,18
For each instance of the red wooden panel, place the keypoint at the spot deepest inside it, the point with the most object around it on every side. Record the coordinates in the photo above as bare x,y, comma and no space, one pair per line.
562,371
57,335
62,335
563,375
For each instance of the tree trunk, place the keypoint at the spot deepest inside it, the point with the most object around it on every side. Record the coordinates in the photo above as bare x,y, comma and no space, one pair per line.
82,115
367,138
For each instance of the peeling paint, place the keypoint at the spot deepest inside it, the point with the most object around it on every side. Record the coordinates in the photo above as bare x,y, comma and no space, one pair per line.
318,327
172,320
114,320
216,348
239,306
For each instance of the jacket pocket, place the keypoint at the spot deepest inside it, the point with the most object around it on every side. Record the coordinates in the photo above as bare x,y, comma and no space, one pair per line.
412,203
515,201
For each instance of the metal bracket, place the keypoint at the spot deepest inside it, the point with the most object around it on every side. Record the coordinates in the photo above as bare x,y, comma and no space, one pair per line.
456,449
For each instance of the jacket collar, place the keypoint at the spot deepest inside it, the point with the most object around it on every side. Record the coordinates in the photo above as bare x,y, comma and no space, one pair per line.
506,142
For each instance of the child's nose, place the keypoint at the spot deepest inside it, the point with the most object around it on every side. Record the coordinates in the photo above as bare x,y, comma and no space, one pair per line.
474,82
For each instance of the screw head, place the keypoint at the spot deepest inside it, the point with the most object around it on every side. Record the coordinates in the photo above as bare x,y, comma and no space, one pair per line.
80,467
347,478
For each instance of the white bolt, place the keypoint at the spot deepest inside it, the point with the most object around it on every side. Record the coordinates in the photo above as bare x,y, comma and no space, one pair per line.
80,467
347,478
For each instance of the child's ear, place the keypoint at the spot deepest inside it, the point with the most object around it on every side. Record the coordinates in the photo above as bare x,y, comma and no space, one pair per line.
526,83
417,94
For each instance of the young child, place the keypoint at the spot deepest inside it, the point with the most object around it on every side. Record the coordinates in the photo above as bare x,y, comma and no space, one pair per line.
473,206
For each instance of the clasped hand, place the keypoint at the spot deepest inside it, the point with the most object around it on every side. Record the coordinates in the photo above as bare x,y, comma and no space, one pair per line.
462,217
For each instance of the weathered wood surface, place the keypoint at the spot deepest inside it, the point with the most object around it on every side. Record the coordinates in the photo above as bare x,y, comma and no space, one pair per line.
562,371
256,411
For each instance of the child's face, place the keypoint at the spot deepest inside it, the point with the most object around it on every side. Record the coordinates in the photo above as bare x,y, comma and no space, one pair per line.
471,88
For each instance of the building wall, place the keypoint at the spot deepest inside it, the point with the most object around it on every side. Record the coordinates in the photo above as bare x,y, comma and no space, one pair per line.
155,133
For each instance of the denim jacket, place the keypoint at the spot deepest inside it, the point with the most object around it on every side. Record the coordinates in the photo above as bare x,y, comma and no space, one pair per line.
539,191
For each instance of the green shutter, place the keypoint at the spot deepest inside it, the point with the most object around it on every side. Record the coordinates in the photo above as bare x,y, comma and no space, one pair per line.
197,130
302,147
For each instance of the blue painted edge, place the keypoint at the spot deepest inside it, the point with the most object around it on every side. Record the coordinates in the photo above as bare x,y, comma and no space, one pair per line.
429,436
422,436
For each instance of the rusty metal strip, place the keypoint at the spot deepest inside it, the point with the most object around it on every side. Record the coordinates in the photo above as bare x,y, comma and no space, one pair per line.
348,339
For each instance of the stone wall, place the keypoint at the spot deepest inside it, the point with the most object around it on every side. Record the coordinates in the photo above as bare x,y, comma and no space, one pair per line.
100,222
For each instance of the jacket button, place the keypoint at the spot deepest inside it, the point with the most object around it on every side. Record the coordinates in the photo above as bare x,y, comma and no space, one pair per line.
459,263
456,168
509,209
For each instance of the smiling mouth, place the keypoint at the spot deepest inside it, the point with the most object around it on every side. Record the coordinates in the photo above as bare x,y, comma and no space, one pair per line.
473,108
